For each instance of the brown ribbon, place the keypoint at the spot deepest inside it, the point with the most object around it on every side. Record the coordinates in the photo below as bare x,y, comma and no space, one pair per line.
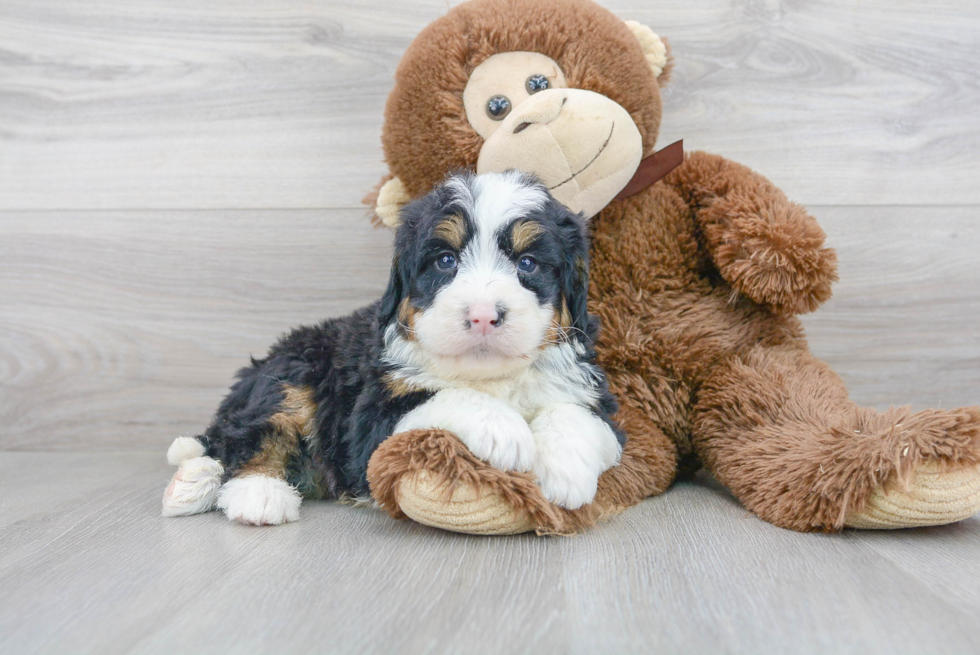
654,168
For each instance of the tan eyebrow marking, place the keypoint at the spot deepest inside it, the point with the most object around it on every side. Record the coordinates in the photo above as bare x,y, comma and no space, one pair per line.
523,234
452,230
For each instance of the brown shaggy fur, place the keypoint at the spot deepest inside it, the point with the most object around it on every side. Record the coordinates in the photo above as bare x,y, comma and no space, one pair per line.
697,281
594,48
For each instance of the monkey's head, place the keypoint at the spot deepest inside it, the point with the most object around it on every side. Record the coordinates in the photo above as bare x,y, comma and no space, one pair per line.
560,89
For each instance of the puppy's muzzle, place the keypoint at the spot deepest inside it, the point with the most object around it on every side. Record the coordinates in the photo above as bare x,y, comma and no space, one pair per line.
484,318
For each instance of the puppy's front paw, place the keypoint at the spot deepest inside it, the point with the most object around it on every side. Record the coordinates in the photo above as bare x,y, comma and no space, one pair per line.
503,439
491,429
568,481
574,448
259,500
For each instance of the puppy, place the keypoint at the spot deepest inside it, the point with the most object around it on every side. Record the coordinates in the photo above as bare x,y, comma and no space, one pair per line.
482,331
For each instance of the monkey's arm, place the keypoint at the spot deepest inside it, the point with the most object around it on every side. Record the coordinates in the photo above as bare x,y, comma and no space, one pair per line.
764,246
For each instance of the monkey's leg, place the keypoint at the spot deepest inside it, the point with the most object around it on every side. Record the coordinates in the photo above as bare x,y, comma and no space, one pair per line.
777,428
648,465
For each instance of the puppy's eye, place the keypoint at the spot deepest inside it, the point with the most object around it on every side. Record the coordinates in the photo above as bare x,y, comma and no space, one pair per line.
527,264
536,83
498,107
446,261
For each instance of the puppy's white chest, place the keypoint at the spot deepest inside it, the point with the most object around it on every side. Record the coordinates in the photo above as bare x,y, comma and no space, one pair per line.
555,379
513,392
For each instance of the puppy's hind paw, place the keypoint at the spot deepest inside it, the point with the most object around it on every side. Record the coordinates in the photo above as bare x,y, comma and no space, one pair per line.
183,449
259,500
194,487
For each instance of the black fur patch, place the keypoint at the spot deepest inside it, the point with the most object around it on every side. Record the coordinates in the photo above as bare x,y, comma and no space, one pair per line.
561,251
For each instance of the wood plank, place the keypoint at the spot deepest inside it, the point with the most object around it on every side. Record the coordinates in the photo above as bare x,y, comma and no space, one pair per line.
106,104
123,329
693,572
99,571
838,102
903,326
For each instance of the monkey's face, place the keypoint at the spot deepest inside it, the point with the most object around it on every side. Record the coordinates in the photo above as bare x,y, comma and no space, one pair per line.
582,145
565,91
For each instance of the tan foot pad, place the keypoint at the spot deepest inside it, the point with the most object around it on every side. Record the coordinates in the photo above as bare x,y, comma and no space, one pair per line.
933,497
467,509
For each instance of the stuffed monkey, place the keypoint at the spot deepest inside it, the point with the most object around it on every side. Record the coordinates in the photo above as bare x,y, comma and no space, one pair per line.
697,279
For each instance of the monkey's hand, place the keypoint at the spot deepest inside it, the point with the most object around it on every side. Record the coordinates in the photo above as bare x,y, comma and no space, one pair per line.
764,246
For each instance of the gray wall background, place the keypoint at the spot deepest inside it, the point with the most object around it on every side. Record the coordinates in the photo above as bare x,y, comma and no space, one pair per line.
181,182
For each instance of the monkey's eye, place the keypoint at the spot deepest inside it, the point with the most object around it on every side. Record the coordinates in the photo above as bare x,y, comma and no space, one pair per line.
498,107
527,264
446,261
536,83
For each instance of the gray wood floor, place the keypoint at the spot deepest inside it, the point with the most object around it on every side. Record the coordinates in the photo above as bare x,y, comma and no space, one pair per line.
180,182
87,565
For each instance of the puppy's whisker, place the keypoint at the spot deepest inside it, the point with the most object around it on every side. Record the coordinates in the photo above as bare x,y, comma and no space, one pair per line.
409,330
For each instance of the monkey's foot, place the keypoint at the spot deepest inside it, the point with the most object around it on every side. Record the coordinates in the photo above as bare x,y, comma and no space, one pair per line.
426,498
932,496
432,478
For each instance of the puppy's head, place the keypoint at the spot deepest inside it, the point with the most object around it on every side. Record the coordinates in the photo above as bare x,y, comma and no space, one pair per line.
488,270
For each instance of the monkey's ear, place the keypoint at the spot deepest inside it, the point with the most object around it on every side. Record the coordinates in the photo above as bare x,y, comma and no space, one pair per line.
387,201
657,50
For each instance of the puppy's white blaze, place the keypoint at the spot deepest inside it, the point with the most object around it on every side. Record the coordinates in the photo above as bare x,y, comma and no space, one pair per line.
574,447
259,500
184,448
500,199
495,199
442,329
194,487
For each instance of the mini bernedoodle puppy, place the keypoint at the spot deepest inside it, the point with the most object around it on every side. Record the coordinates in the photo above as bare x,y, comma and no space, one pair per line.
482,331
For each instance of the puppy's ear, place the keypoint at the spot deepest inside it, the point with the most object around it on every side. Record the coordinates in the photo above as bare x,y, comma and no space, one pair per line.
575,271
403,262
395,292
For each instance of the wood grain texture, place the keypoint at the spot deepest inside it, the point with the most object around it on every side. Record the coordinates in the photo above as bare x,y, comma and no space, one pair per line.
106,104
903,326
97,570
123,329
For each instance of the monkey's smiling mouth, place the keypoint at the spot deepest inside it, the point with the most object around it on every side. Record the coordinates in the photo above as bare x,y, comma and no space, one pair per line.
591,161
